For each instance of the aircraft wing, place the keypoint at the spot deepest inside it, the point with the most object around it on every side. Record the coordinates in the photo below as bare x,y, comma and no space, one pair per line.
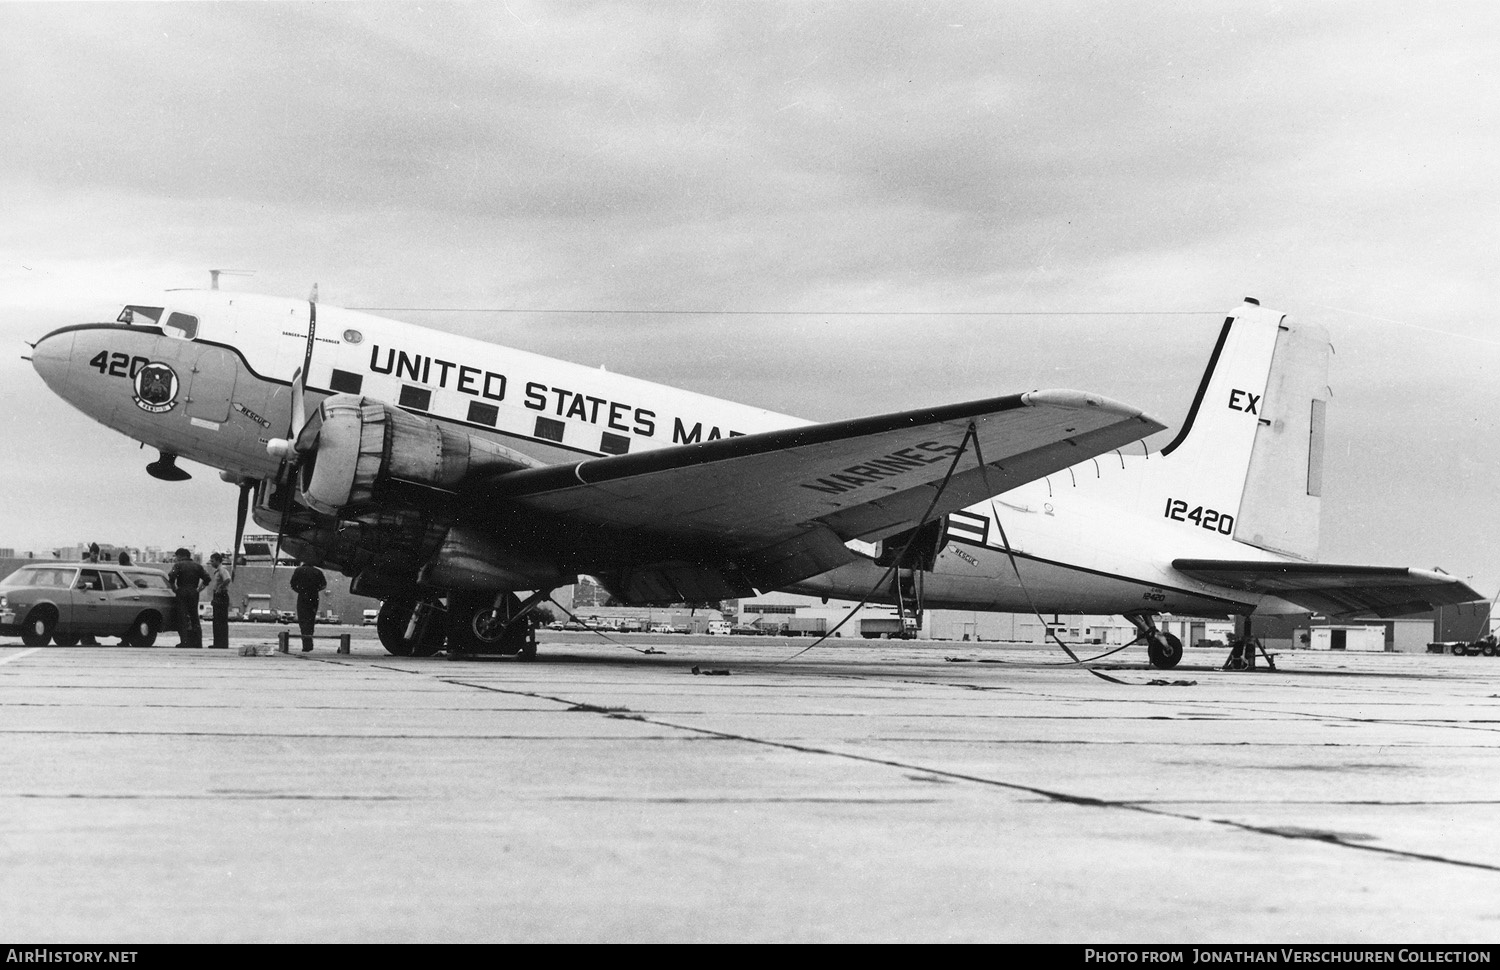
766,509
1335,589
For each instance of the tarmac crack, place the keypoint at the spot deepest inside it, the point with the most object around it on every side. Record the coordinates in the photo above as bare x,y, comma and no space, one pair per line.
1341,840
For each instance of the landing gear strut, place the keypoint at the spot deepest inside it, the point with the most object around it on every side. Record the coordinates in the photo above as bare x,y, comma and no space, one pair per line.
1163,649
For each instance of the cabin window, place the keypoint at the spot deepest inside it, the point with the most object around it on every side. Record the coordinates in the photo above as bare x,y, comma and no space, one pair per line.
549,430
614,444
344,382
182,325
416,398
480,413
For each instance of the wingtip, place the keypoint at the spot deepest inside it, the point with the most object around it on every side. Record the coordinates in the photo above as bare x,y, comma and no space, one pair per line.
1084,401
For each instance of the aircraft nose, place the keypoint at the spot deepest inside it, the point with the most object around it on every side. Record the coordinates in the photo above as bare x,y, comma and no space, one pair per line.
52,357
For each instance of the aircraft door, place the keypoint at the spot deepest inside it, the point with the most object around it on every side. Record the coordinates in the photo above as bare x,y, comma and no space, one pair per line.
211,384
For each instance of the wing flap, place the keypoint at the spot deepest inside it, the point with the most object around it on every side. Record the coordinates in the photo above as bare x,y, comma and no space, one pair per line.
1334,589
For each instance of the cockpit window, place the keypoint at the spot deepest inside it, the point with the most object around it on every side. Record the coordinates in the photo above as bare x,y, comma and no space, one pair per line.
134,314
180,324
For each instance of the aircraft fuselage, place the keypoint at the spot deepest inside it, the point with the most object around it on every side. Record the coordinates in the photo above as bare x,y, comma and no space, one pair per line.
207,375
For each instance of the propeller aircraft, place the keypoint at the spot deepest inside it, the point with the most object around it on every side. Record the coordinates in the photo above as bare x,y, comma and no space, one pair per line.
448,476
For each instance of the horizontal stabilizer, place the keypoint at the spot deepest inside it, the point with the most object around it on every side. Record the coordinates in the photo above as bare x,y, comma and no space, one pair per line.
1334,589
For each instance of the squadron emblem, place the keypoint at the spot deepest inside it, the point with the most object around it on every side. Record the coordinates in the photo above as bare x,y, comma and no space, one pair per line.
156,388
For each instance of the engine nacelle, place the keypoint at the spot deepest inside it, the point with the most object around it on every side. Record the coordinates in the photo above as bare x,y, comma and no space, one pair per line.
358,455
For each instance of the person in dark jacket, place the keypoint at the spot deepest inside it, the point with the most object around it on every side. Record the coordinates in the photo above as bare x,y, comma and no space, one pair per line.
188,579
307,581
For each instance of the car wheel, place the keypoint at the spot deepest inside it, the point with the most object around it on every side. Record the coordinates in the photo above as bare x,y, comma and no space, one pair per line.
37,630
143,631
66,639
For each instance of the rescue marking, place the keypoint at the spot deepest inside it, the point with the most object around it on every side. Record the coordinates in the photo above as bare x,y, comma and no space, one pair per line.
251,415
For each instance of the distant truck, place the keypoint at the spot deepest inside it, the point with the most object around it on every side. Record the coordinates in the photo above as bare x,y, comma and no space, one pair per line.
807,626
719,627
887,628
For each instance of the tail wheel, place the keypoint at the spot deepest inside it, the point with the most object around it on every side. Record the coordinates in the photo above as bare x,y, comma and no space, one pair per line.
37,630
143,631
477,624
393,626
1164,649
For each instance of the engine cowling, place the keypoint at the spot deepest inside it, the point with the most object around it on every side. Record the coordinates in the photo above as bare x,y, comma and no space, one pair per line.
359,455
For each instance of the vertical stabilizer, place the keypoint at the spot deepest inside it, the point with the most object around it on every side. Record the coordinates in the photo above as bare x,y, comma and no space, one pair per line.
1283,489
1206,463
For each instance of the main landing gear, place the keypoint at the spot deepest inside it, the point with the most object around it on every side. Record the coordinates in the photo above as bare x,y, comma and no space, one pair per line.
1163,649
410,627
471,622
481,622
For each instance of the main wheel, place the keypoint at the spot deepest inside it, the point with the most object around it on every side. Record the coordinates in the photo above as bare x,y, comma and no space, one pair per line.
142,632
477,625
393,621
66,639
37,630
1164,650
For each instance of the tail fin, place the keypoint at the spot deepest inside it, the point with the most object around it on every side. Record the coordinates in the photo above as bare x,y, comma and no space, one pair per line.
1252,443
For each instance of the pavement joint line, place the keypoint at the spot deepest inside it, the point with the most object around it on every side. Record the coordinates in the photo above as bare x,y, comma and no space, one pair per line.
211,796
18,656
1083,801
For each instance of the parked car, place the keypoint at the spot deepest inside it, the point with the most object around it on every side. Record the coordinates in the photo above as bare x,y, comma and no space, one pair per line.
63,602
371,617
261,615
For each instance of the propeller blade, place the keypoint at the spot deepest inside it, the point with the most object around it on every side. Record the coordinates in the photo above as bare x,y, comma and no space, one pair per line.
299,405
247,489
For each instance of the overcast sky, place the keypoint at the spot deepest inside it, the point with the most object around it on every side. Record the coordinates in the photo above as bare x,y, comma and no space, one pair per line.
1103,180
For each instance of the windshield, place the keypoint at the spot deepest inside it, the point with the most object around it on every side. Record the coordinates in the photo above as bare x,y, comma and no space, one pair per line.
55,577
142,315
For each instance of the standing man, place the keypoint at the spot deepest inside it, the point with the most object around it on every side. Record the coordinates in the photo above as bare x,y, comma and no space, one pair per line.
307,581
218,595
187,580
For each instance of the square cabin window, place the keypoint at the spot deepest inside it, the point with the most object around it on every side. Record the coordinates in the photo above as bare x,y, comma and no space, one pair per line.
416,398
614,444
481,413
344,382
549,430
182,325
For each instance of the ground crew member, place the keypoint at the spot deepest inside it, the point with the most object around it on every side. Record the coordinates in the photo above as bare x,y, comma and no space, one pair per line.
218,595
188,579
307,581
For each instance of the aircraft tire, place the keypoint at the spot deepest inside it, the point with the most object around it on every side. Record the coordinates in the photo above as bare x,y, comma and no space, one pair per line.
391,623
37,630
143,631
476,625
1164,650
